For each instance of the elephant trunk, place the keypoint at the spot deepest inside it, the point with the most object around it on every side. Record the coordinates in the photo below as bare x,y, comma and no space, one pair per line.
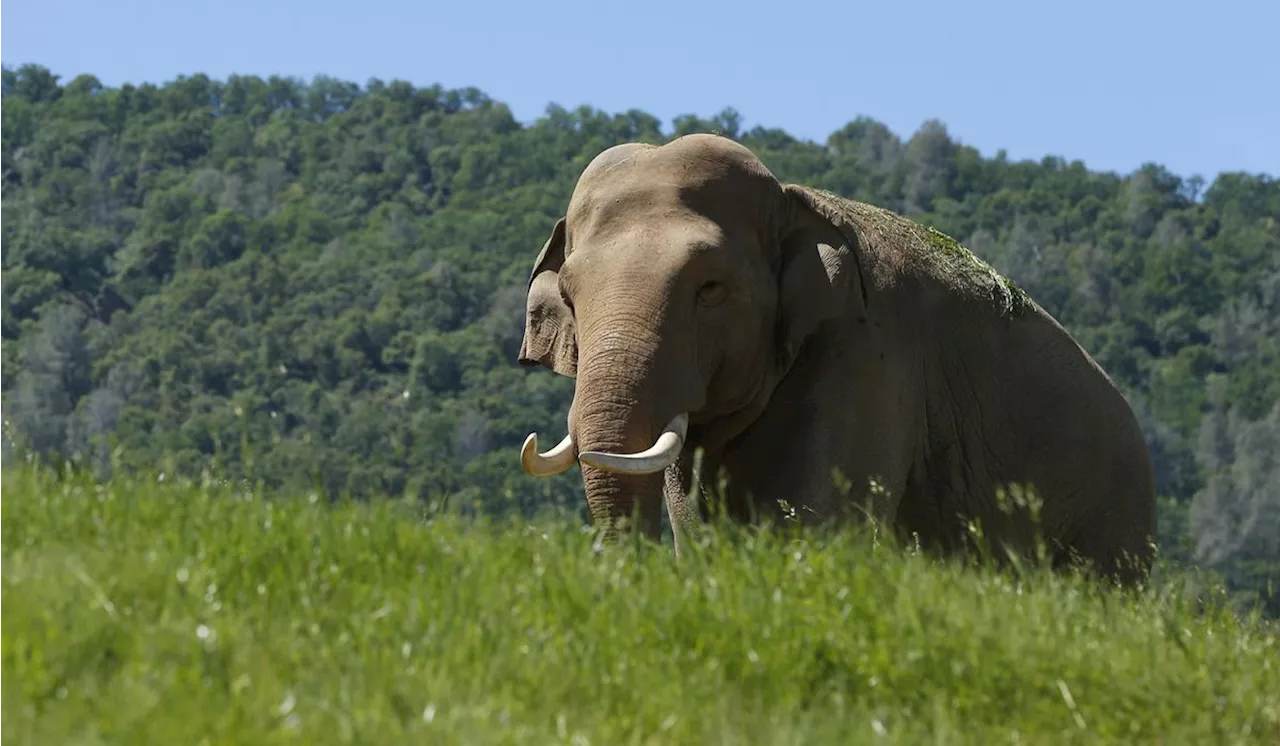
628,420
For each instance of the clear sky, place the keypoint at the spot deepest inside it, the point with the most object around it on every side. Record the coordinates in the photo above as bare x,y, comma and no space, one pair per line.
1194,86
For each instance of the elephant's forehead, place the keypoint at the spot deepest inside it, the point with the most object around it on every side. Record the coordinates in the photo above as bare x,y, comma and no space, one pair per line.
676,234
667,193
688,169
621,199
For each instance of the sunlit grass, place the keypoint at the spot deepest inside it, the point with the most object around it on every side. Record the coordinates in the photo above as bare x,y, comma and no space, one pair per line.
143,612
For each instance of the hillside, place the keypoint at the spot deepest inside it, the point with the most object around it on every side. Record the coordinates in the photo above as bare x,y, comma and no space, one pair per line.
320,286
145,612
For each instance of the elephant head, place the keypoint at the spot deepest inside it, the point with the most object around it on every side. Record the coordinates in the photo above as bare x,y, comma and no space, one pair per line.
677,290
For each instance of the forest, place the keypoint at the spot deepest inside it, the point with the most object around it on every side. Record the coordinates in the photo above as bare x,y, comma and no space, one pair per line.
319,287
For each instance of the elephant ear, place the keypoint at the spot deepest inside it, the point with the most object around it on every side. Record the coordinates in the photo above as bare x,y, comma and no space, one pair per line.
820,276
550,336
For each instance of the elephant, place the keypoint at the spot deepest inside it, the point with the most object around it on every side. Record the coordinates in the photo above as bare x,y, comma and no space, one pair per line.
823,354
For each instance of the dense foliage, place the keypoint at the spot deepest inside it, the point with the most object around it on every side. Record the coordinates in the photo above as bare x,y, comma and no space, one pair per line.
142,612
320,286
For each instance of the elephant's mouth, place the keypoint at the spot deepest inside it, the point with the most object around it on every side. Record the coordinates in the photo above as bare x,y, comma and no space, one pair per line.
657,457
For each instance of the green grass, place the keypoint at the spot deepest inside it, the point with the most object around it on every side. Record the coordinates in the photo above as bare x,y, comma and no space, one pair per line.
152,613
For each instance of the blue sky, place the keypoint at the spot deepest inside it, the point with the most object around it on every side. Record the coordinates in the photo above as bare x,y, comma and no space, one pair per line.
1114,83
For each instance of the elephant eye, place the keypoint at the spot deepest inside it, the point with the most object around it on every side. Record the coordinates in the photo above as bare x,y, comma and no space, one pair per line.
712,294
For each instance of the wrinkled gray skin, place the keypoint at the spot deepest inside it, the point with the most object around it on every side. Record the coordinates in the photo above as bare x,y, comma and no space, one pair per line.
804,336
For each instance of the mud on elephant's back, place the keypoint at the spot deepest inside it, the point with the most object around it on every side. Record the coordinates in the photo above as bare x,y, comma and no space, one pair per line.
911,245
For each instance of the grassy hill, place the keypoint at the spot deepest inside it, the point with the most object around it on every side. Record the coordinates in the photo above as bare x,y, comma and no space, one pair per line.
318,288
149,611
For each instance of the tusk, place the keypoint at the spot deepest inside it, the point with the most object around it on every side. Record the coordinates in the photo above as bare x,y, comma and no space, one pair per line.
547,464
660,455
